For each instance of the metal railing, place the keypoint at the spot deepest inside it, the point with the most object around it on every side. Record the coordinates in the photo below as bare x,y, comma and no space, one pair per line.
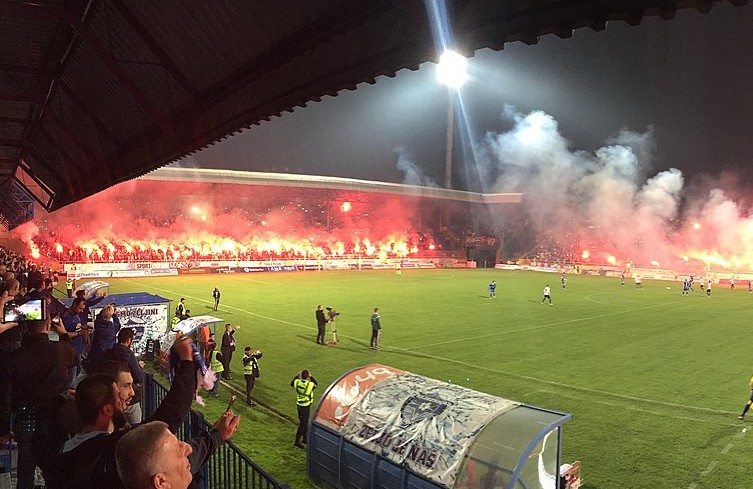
228,467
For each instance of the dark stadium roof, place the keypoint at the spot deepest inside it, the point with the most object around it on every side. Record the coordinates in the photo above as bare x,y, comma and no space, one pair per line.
93,93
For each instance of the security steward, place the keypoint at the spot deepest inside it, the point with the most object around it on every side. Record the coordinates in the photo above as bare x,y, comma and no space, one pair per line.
69,287
250,371
304,384
216,364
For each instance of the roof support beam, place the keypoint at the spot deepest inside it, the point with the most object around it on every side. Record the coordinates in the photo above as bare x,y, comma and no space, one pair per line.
39,158
64,182
73,96
73,138
143,33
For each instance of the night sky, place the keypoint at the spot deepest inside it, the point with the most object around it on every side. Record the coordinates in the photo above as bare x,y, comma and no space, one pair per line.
689,81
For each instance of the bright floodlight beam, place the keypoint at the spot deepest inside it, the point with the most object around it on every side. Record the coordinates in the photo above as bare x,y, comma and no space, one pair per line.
451,71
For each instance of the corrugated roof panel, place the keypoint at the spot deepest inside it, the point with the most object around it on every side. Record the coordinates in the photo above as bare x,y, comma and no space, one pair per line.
7,152
17,110
133,55
84,127
106,96
209,42
24,42
19,83
11,130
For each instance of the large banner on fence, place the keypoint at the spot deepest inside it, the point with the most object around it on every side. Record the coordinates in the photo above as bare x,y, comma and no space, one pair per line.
148,321
150,269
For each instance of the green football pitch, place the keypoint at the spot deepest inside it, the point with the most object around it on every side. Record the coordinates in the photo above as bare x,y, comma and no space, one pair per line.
654,380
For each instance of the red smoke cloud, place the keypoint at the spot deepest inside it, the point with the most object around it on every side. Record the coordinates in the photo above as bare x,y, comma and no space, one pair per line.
145,219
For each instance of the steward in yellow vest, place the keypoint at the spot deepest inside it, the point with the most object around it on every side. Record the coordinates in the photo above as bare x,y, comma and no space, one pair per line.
215,363
304,384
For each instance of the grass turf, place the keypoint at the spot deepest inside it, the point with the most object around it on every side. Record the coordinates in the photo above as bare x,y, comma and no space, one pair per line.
655,380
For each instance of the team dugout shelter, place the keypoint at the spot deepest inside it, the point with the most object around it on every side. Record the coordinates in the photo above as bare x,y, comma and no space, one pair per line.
381,427
147,314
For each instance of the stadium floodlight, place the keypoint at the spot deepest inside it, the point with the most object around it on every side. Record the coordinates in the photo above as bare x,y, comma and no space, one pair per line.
451,70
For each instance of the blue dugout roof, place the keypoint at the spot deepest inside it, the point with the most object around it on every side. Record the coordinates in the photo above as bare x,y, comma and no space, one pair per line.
131,299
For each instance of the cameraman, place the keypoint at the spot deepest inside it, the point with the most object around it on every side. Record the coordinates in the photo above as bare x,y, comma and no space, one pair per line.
321,325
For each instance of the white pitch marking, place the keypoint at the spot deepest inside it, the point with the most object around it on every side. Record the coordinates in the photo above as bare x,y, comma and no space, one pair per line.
710,468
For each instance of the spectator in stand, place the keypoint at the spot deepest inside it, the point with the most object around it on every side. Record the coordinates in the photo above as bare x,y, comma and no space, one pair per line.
10,333
35,285
124,381
227,348
32,377
122,352
103,338
86,315
146,456
76,332
88,459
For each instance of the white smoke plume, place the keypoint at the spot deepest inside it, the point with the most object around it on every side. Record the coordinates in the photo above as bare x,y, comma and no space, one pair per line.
607,201
413,173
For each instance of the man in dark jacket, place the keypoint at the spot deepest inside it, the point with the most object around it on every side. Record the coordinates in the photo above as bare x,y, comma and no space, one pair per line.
227,347
88,459
321,325
122,352
32,378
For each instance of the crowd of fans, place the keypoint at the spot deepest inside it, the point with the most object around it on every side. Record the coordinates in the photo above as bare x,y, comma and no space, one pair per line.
110,252
69,395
